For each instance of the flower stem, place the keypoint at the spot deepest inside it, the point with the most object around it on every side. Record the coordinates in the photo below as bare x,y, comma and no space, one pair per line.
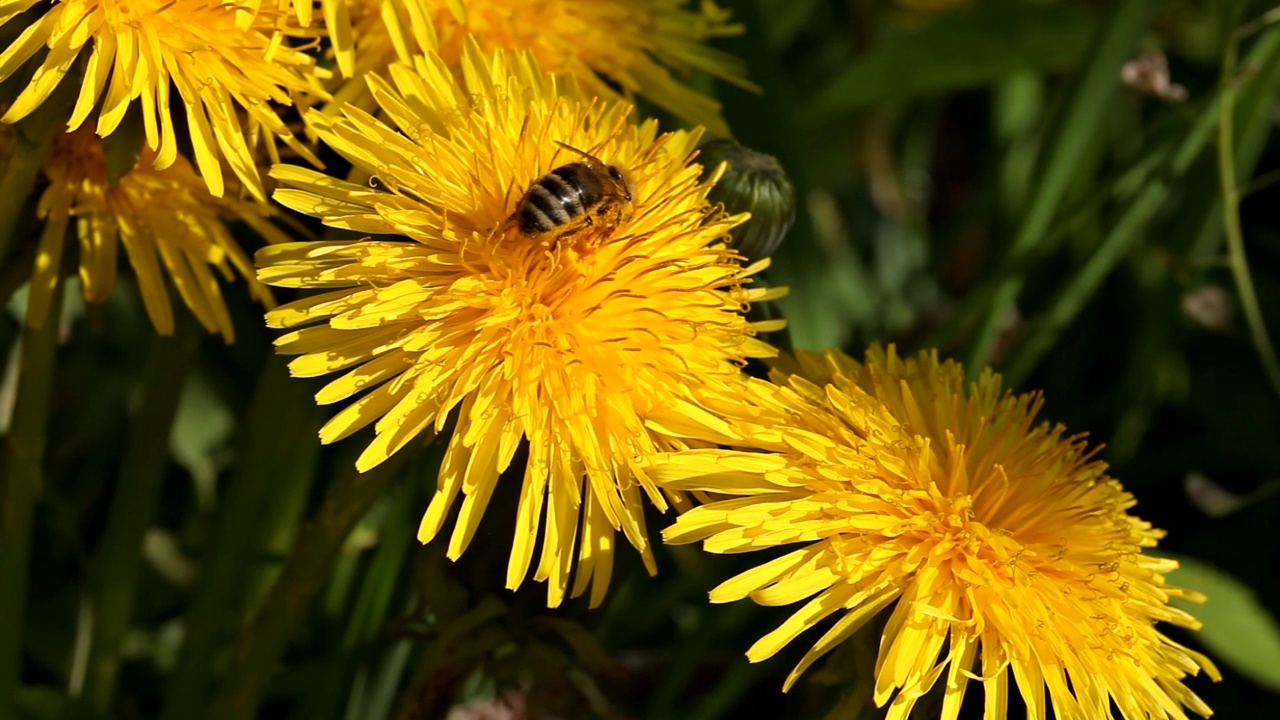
263,642
114,583
1231,212
216,600
33,136
22,468
285,507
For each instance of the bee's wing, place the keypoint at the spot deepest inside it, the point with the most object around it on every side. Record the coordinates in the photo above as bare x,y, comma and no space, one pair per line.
591,158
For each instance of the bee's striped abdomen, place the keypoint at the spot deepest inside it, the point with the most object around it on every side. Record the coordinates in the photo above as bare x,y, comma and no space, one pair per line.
557,198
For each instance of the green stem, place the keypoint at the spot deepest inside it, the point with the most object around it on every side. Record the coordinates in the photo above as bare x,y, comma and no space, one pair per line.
815,318
217,599
33,137
114,584
285,504
1231,215
15,272
20,484
1084,114
18,180
262,643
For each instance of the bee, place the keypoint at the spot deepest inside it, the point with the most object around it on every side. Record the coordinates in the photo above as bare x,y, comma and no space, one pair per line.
572,198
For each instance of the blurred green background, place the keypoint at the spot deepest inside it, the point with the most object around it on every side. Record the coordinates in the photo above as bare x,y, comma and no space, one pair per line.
1045,186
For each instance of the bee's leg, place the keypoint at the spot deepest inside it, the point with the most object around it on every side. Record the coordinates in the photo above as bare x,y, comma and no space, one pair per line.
578,229
568,233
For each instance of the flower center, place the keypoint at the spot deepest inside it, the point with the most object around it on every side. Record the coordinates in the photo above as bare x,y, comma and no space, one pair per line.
77,157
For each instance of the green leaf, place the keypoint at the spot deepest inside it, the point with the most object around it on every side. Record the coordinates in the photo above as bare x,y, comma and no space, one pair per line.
1237,630
386,684
988,42
375,593
201,434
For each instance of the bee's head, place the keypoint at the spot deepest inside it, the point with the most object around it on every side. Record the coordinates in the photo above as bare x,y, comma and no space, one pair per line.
617,175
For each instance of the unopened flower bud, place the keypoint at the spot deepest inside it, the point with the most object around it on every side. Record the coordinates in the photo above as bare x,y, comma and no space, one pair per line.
756,183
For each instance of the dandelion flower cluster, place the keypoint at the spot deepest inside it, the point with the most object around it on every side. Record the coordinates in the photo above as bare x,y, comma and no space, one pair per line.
570,347
165,219
1003,543
221,58
610,360
633,44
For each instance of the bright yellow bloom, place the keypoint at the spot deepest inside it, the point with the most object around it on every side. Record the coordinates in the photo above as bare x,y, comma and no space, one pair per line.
571,348
633,43
368,36
336,15
998,539
163,218
220,59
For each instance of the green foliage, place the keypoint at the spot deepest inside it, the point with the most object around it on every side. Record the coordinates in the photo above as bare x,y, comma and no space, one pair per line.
980,45
979,180
1238,630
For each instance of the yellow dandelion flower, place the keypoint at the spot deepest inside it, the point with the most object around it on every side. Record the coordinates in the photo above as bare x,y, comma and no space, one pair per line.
165,219
144,47
336,15
1001,541
303,10
568,347
367,36
633,44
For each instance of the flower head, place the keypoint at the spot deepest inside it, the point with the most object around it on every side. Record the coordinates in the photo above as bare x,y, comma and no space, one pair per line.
1001,541
165,219
634,44
219,56
336,16
754,183
571,346
367,36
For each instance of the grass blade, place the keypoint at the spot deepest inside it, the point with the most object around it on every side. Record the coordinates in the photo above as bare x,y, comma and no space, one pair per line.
1231,213
1128,230
1084,114
262,643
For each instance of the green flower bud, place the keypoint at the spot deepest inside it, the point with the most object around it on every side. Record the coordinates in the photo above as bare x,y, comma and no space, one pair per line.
755,183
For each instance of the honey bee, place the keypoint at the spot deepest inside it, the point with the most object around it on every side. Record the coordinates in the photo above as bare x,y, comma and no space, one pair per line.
572,198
